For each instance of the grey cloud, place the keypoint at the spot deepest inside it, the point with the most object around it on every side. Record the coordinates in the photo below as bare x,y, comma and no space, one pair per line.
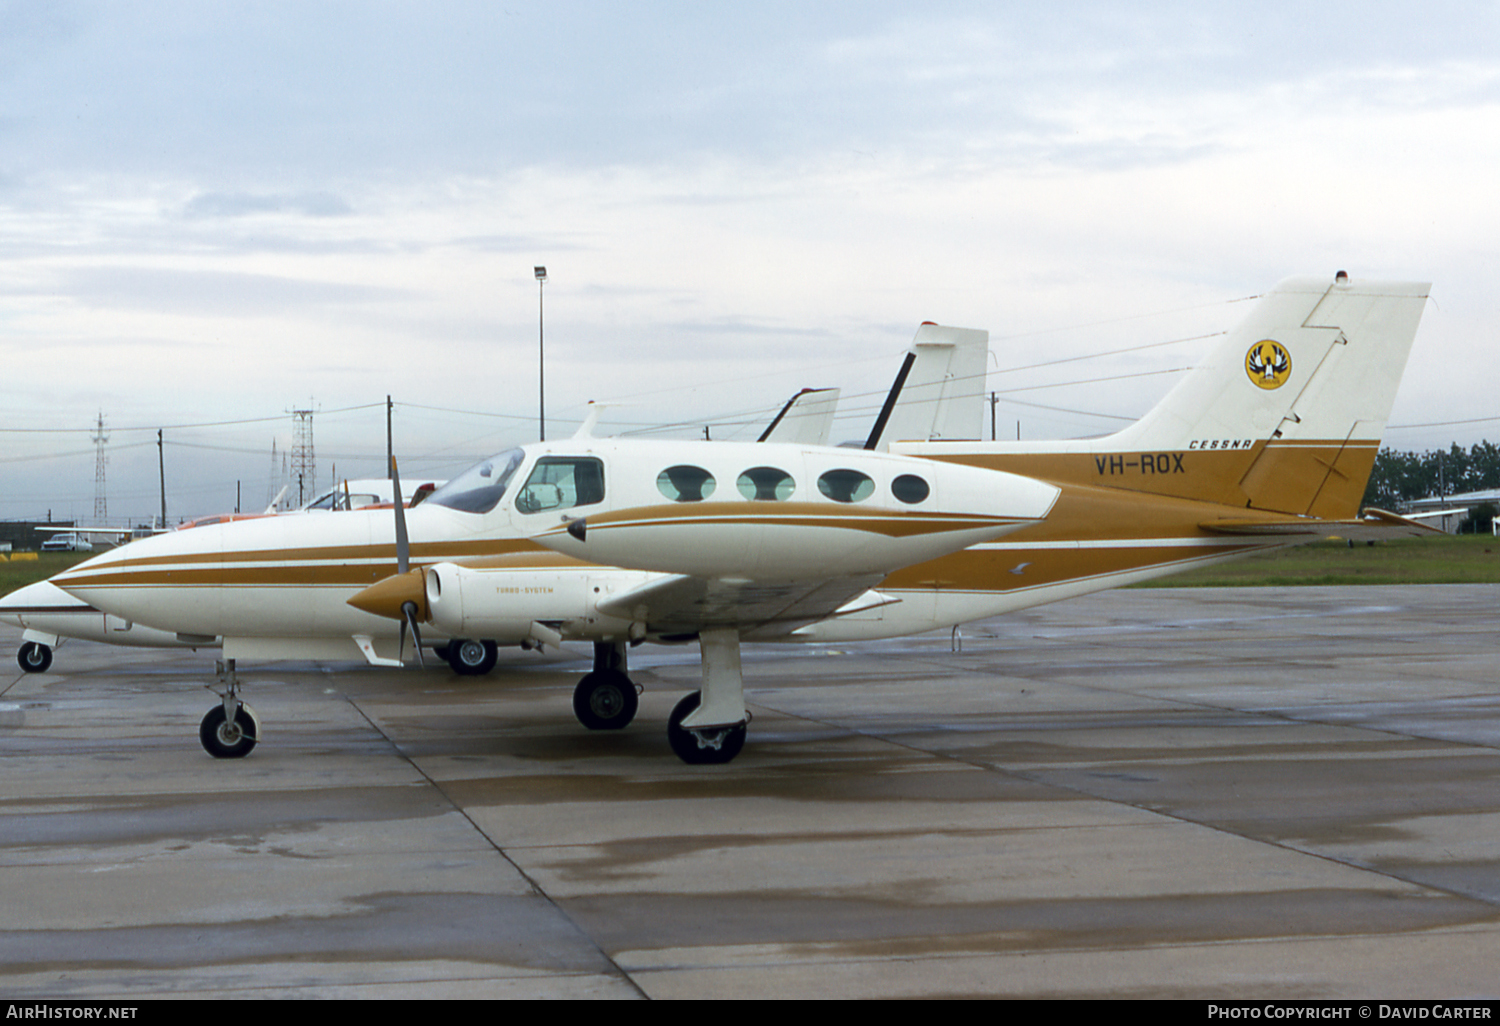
242,204
739,326
216,293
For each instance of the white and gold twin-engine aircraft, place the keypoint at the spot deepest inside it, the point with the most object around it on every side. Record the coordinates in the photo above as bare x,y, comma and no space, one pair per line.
1268,443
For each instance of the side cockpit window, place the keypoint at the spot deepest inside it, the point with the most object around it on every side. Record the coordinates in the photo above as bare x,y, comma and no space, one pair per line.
480,488
685,483
562,482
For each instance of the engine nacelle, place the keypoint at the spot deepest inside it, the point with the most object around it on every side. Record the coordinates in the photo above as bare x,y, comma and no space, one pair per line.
505,604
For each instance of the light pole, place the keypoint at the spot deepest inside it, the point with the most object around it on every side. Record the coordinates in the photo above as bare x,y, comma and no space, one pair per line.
541,355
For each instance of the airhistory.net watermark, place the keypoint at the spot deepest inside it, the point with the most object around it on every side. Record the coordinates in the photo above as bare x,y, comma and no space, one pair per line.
45,1010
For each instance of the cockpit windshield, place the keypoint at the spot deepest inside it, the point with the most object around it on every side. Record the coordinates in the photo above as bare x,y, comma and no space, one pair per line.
479,489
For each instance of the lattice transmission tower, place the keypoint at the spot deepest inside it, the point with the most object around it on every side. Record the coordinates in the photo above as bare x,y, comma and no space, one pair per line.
304,461
101,506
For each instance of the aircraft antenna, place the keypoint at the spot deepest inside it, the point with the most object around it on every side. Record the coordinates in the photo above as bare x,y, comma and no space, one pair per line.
101,506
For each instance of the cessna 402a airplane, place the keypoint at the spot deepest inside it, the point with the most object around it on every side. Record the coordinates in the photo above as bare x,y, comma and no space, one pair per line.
1268,443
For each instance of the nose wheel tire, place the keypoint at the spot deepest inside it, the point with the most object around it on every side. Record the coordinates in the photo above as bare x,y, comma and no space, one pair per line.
225,740
704,747
34,657
605,700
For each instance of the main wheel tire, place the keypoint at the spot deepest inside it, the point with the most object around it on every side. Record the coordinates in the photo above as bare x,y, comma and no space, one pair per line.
605,700
472,658
225,740
704,747
34,657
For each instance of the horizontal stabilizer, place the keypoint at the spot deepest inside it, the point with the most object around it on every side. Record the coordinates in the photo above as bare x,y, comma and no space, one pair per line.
1374,525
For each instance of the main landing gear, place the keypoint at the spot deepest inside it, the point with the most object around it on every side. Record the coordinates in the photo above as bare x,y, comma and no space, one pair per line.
230,729
606,698
705,746
34,657
472,658
709,726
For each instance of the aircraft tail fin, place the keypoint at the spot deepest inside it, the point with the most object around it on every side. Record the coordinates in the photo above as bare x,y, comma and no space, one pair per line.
1285,414
806,419
939,393
1301,389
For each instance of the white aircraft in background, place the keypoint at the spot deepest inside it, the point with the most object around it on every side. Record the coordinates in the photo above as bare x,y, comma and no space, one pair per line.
50,616
1268,443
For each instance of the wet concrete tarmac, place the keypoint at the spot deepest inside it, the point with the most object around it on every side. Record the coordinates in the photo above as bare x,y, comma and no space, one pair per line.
1186,793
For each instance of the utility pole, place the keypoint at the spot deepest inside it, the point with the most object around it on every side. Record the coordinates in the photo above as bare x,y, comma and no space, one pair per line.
541,354
161,466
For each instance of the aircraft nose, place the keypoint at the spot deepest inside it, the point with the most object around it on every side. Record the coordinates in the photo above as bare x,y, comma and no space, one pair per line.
386,597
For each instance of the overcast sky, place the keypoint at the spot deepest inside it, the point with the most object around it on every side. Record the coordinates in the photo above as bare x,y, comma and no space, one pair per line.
215,212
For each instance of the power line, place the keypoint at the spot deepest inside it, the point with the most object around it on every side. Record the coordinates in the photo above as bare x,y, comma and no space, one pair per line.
1440,423
179,427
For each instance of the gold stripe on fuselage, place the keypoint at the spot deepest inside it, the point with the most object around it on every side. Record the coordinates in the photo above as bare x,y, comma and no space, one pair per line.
356,566
1091,532
890,523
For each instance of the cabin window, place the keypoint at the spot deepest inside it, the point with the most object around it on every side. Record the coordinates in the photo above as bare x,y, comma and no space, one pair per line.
561,482
480,488
910,488
766,484
685,483
846,486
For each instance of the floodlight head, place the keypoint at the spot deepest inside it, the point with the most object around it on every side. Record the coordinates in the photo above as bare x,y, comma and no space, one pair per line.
541,274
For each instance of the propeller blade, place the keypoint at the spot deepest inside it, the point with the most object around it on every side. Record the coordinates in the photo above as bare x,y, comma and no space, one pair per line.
403,563
410,609
403,547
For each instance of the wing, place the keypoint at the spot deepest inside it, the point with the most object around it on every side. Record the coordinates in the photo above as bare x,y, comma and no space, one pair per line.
760,610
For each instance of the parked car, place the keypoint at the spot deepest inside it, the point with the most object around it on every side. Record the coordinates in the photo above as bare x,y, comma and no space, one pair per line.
68,541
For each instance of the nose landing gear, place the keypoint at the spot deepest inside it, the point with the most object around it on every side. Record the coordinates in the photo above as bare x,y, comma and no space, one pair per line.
230,730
